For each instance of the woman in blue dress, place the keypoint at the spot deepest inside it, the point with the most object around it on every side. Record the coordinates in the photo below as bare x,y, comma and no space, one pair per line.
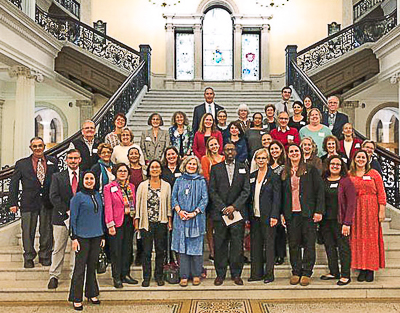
189,200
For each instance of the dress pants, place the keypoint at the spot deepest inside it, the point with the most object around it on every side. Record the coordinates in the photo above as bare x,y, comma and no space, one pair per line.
190,265
28,226
280,241
262,241
121,246
86,258
301,232
228,242
158,234
334,240
61,238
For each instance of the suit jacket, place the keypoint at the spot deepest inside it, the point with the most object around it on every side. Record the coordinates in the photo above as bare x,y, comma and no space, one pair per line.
340,120
88,159
356,145
60,196
198,113
199,146
34,195
154,149
270,195
312,194
223,195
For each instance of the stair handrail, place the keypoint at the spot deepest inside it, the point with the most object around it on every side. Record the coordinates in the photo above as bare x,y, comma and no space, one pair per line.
364,6
349,38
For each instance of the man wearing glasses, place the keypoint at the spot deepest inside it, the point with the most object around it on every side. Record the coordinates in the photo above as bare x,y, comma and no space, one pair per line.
285,134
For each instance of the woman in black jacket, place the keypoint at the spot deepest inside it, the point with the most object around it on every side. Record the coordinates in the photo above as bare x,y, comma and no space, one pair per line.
303,207
265,199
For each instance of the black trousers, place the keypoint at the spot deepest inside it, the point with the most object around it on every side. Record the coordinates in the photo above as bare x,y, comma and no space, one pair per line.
301,232
334,240
262,252
228,243
158,234
280,241
28,226
122,249
85,259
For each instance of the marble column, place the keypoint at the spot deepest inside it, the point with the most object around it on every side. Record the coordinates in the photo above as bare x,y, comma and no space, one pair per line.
347,13
85,110
264,61
170,55
1,126
24,127
237,56
198,56
395,80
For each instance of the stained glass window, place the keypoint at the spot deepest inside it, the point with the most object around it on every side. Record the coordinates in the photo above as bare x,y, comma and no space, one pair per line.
184,56
250,56
217,45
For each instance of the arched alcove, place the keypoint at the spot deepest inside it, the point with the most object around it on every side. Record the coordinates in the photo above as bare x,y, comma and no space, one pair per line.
38,126
206,5
51,126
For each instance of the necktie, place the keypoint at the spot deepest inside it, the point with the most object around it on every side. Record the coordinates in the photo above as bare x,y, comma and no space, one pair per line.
209,109
40,171
74,184
285,104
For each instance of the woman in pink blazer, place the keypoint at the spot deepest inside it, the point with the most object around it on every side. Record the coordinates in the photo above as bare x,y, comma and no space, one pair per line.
119,209
206,130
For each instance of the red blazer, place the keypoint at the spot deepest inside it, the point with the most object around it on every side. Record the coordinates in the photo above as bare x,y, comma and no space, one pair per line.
199,146
356,145
114,209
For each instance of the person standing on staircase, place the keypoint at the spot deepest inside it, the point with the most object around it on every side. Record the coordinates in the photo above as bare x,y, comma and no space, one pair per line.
64,186
284,105
334,119
207,107
34,173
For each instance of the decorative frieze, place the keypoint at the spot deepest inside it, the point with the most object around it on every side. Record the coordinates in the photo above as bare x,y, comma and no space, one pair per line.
29,73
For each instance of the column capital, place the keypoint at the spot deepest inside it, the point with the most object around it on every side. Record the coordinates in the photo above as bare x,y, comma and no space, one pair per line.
84,103
350,104
17,70
238,28
169,27
265,27
395,78
197,27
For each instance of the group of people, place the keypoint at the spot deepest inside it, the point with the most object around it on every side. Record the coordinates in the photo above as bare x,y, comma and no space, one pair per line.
289,176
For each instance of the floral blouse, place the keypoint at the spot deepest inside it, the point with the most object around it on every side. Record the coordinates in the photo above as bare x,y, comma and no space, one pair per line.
153,204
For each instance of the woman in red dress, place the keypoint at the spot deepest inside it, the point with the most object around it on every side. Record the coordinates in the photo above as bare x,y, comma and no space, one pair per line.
367,250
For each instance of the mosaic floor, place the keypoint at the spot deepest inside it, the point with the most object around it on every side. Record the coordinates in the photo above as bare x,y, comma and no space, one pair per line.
214,306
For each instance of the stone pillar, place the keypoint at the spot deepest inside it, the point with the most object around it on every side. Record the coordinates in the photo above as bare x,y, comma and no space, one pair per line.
349,108
347,13
29,8
86,110
170,55
237,56
395,80
198,56
385,132
145,54
1,126
291,55
24,128
265,71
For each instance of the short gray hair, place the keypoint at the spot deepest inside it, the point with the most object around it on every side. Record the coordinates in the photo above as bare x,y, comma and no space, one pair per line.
182,168
243,106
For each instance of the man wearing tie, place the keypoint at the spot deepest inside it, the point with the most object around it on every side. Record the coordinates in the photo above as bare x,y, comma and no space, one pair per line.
285,105
64,186
207,107
334,119
34,173
229,190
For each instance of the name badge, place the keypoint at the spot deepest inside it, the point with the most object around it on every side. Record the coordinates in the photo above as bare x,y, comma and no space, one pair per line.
186,191
242,171
262,133
302,123
114,189
290,137
252,180
357,145
321,134
366,177
178,175
148,139
94,150
335,185
344,160
50,163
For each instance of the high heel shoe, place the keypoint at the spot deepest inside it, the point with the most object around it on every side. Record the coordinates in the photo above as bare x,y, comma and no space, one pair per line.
94,300
78,308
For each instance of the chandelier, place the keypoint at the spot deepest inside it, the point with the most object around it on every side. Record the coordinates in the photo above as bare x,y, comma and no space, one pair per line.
165,3
271,3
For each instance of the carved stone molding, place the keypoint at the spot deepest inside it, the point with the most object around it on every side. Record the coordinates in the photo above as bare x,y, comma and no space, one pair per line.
84,103
394,79
350,104
29,73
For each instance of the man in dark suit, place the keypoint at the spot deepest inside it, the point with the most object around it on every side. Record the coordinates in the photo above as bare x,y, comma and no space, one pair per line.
207,107
34,173
87,145
229,190
334,119
64,186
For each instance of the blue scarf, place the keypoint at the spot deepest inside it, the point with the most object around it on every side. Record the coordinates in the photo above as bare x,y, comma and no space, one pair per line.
104,176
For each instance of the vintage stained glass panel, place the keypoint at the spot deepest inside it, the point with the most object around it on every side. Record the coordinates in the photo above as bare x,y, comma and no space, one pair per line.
184,56
250,56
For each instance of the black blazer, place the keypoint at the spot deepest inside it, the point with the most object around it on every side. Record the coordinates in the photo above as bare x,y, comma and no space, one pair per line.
270,195
340,120
33,194
60,196
312,194
87,160
222,195
198,113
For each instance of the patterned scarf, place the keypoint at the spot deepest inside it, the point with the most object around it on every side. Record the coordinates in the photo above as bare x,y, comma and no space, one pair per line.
127,197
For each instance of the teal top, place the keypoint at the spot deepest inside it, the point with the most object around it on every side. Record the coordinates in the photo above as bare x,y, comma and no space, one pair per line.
317,136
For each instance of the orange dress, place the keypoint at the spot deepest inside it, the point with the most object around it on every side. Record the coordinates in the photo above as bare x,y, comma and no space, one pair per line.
367,250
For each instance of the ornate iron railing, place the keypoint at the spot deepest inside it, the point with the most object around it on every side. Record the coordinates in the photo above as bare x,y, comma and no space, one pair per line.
69,29
348,39
362,7
17,3
72,6
120,101
389,161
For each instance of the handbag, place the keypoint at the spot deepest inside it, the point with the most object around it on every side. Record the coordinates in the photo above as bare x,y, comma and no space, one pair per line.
102,262
171,269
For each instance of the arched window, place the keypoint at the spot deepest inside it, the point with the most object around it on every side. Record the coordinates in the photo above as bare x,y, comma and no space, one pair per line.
379,131
53,132
38,126
217,45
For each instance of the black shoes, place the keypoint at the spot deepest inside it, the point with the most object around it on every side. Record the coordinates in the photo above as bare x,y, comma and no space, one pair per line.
29,264
117,283
129,280
238,281
268,280
94,300
369,276
362,276
53,283
251,279
76,307
343,283
218,281
160,282
146,283
279,260
329,277
45,262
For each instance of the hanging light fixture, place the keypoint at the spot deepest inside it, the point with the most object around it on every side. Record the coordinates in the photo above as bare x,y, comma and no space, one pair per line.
271,3
165,3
